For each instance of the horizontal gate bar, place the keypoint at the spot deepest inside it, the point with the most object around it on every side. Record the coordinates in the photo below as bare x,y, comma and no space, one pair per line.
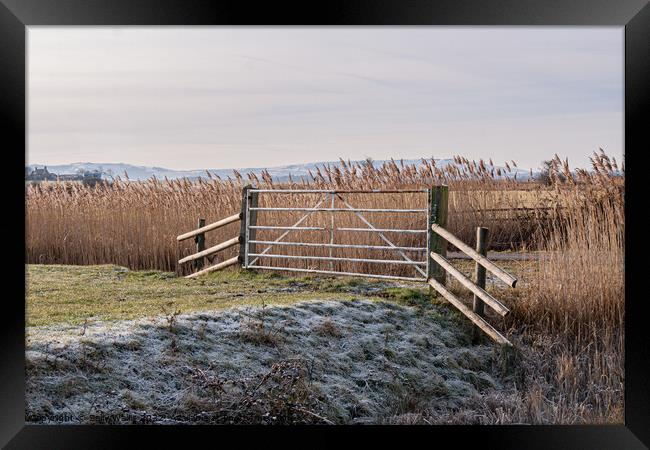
482,260
365,247
374,230
283,235
329,191
224,245
381,235
221,265
341,210
469,284
471,315
351,274
212,226
334,258
269,227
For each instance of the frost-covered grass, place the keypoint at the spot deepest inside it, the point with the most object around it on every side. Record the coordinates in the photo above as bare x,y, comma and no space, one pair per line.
105,344
327,361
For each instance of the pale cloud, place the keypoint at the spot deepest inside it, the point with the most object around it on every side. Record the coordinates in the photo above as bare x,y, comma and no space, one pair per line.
221,97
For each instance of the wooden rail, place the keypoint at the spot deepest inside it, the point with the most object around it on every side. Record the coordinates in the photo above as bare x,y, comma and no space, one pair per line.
224,245
481,297
212,226
469,284
471,315
202,252
482,260
221,265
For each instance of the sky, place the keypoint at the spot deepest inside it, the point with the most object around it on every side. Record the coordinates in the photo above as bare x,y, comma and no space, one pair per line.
228,97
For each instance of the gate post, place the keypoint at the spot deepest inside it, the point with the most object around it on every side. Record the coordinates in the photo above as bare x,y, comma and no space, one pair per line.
200,245
438,204
479,271
252,219
242,228
249,218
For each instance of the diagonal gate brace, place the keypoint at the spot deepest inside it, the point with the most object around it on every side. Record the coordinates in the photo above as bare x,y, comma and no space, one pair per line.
283,235
381,235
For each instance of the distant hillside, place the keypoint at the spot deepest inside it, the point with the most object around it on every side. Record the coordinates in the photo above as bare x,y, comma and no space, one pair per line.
280,173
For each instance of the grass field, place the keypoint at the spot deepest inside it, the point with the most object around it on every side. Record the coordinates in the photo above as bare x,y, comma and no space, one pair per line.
323,350
319,350
80,294
76,294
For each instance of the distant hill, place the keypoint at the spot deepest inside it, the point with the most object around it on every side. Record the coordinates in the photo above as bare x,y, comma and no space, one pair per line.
280,173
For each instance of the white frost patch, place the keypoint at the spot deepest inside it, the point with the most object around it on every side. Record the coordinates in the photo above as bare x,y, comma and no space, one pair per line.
328,361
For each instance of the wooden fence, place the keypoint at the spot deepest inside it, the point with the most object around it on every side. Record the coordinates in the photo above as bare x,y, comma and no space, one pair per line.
437,265
202,252
477,287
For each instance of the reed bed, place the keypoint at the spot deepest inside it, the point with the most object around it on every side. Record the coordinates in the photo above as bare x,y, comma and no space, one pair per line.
571,316
135,223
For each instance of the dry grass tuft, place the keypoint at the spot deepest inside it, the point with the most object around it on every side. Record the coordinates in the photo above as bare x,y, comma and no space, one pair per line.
257,329
328,328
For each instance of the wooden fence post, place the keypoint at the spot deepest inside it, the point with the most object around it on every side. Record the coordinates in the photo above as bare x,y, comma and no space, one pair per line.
252,220
479,270
200,245
437,214
242,228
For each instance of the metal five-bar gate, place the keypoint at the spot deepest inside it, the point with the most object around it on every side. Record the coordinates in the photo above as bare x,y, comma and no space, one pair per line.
281,243
257,251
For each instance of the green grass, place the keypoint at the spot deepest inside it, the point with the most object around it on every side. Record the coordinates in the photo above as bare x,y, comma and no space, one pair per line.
76,294
409,296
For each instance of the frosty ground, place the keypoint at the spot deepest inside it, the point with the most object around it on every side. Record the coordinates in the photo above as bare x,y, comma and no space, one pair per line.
108,345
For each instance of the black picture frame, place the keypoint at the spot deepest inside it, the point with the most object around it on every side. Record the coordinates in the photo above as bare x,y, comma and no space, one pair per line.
16,15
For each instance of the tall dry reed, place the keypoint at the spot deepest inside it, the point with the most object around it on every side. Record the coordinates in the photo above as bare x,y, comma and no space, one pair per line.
135,223
572,314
